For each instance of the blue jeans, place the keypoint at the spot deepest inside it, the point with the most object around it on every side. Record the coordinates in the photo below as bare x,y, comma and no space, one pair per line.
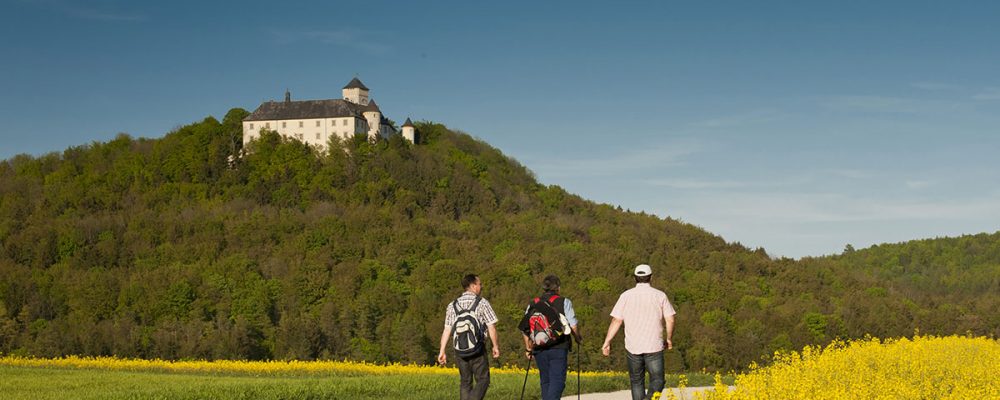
552,372
638,365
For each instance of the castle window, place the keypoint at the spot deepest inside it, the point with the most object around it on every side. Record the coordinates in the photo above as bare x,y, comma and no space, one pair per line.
317,124
267,125
300,124
317,135
345,122
251,126
283,125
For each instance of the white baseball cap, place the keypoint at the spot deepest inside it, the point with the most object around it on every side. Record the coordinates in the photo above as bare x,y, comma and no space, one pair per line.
643,270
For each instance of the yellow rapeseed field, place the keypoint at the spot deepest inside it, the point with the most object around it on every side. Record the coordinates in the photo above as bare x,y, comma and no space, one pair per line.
251,367
925,367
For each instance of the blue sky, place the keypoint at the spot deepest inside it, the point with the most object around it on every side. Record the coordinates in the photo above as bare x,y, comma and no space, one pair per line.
799,127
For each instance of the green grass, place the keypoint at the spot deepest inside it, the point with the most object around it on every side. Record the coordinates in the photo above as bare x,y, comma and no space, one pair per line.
57,383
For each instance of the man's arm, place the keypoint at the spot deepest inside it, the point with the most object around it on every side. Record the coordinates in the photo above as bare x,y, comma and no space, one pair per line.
444,342
670,332
493,338
612,331
571,317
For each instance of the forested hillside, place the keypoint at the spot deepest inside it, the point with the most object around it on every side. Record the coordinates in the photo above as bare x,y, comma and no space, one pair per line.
163,248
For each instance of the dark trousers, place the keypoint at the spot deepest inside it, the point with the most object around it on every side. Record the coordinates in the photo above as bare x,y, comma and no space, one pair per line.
638,365
552,372
475,376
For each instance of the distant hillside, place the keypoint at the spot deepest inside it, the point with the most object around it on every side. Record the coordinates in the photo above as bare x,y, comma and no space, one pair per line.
163,248
949,284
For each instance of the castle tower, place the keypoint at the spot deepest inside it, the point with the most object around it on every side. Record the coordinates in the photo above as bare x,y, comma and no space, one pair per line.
373,115
409,131
356,92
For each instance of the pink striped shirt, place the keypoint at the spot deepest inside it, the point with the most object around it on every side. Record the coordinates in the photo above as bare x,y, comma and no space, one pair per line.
642,309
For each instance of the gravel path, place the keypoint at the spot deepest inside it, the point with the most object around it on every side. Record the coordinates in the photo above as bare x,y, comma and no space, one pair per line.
685,394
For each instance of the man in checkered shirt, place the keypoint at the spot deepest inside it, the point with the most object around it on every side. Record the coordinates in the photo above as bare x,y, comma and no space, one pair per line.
474,370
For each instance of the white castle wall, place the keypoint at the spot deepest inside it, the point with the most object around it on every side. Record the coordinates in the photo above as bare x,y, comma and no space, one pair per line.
315,132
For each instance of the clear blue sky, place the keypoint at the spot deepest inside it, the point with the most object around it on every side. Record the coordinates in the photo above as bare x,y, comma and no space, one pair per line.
796,126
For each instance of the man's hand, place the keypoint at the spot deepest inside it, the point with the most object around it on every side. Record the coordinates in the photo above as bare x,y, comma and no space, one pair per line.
442,358
606,349
496,352
669,344
528,355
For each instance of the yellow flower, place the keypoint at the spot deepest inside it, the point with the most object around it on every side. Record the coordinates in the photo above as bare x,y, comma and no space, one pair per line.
953,367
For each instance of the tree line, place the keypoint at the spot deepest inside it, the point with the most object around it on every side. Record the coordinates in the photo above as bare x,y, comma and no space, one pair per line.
171,248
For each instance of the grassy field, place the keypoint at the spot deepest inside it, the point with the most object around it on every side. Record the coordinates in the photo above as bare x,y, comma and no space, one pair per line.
32,382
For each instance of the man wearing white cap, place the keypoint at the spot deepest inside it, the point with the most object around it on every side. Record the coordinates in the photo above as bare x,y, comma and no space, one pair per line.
644,311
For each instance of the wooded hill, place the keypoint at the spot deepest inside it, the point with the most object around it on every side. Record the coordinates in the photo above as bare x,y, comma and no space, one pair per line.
161,248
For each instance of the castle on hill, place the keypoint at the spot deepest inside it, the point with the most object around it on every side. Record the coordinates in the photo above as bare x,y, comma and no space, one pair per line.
314,122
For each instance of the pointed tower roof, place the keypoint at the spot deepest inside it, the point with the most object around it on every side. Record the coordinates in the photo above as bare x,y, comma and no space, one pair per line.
407,123
372,106
355,84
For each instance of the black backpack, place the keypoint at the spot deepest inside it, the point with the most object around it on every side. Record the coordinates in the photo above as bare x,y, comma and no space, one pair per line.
467,330
543,324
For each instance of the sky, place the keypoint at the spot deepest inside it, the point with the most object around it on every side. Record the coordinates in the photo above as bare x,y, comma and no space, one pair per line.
800,127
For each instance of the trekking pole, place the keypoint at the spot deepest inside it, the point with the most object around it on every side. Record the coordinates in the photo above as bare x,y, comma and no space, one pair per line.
525,384
578,349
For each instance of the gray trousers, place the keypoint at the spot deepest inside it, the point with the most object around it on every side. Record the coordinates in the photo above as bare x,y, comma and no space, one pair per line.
475,376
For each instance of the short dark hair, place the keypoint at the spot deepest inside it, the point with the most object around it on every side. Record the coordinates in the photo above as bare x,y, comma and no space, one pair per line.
468,280
643,279
550,283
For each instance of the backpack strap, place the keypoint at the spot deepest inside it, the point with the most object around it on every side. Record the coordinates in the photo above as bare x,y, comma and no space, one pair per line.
475,304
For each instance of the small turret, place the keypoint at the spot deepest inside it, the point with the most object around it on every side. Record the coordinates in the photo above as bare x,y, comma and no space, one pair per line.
288,96
373,115
409,131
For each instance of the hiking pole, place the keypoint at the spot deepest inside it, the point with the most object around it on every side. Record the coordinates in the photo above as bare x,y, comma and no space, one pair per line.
525,384
578,349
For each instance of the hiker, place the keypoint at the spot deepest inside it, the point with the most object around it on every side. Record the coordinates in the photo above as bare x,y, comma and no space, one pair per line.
643,310
546,327
466,319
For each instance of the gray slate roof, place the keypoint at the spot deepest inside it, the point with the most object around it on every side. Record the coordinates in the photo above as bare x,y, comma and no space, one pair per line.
306,109
355,84
407,123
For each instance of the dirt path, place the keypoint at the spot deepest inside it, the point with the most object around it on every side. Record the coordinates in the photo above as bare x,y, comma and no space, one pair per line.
685,394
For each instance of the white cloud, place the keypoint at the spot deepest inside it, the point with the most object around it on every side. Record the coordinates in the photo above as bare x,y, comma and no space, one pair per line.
696,184
649,158
919,184
935,86
988,94
801,224
351,38
741,119
853,173
708,184
873,104
83,11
